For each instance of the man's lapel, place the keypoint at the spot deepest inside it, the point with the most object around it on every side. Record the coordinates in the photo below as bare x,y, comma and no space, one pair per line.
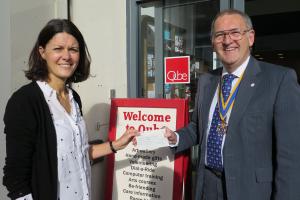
209,92
246,90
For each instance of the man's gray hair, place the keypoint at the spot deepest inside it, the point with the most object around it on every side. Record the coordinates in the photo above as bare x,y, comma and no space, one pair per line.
231,12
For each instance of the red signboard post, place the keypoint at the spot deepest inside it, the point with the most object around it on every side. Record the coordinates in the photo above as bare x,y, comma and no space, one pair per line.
136,174
177,69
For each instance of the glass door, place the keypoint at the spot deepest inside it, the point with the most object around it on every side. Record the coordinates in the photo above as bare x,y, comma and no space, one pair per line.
176,28
186,32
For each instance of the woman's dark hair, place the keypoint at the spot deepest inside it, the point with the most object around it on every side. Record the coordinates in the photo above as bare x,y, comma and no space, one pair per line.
37,65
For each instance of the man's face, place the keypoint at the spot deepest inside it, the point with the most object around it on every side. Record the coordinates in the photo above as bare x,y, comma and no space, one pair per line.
231,51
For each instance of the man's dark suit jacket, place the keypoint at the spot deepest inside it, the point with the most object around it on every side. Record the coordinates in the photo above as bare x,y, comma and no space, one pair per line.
261,152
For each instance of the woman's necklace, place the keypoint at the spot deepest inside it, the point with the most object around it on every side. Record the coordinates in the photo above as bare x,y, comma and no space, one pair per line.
64,101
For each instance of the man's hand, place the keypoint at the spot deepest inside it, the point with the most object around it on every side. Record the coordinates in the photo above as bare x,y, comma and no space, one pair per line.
171,136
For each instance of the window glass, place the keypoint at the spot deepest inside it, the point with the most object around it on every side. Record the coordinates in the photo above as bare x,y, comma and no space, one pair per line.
147,52
187,33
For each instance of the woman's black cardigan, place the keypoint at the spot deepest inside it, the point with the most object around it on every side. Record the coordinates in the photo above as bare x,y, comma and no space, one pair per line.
31,151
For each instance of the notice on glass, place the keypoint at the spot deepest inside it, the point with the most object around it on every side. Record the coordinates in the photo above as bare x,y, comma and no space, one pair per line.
150,140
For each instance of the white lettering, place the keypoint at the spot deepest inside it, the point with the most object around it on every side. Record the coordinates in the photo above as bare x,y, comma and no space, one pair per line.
176,76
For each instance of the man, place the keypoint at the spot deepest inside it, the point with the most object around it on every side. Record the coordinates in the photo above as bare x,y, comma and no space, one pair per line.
246,121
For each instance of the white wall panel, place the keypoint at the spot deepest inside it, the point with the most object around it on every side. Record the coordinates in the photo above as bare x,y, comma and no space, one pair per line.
26,22
5,79
20,23
103,24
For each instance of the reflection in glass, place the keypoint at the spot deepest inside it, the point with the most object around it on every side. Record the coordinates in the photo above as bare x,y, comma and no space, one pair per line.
186,32
147,59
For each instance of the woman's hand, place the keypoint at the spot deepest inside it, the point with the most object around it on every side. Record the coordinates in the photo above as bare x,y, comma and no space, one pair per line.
125,139
99,150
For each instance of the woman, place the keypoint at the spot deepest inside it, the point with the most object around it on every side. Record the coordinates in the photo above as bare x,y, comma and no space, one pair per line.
47,149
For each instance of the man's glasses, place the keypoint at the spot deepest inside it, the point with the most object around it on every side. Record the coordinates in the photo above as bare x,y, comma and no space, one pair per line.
234,34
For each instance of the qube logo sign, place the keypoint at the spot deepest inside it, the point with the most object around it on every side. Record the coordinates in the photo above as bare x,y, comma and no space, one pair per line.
177,69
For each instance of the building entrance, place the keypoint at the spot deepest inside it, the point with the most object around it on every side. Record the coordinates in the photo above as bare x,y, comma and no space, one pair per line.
277,35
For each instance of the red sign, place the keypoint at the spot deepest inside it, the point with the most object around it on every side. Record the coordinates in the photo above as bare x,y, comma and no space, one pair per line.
146,174
177,69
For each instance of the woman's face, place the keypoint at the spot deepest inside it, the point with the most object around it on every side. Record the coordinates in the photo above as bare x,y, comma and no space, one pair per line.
62,56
